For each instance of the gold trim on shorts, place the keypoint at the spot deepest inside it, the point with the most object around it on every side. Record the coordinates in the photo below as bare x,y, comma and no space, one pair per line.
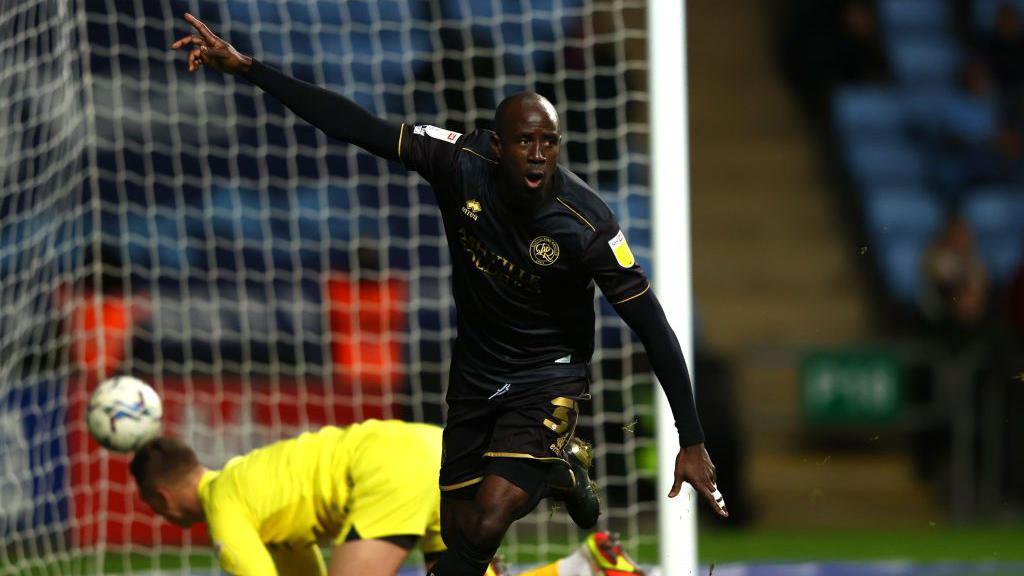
526,456
469,482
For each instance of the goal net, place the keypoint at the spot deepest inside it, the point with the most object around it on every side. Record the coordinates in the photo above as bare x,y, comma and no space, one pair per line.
191,231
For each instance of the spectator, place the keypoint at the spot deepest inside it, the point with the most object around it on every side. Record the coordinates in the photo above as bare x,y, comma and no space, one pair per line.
860,56
1015,300
978,145
1005,54
1006,50
955,280
824,43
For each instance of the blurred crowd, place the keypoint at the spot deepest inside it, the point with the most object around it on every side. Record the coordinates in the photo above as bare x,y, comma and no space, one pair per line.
922,104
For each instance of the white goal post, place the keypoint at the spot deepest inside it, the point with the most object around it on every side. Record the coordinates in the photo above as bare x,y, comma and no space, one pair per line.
670,192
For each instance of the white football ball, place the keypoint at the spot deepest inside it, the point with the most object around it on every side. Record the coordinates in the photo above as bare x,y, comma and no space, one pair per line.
124,412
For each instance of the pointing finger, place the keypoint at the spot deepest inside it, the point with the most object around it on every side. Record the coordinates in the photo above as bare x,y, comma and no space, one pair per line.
200,27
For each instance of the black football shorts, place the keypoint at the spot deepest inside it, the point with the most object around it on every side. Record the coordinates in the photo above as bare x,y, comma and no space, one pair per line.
533,423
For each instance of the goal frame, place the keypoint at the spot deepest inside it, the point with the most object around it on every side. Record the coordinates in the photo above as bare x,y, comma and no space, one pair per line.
670,192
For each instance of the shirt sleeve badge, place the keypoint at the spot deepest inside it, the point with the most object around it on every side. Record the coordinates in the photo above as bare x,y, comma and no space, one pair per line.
436,133
620,248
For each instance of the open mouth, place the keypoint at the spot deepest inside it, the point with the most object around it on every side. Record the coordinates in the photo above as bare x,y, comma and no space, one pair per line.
534,179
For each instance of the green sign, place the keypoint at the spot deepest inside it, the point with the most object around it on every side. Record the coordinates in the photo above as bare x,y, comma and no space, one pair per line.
851,387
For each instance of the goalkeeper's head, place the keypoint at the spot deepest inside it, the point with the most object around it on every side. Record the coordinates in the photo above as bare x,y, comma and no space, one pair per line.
526,142
167,473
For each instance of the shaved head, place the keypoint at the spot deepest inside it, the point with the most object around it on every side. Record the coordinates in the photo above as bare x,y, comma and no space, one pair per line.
526,143
512,107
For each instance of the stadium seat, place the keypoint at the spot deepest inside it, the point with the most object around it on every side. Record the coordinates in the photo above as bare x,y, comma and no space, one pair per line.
970,118
925,109
902,17
996,216
892,162
900,265
868,112
930,60
901,222
899,212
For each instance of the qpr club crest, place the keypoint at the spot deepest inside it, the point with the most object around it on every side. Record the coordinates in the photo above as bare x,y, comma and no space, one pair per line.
543,251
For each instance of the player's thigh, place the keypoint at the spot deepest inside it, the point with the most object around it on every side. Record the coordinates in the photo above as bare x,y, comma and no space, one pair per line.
538,424
500,501
452,511
299,561
366,558
467,435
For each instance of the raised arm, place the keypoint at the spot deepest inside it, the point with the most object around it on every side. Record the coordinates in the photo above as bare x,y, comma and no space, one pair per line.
334,114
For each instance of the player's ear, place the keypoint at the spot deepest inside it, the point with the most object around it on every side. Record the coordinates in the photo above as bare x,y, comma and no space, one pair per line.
496,145
159,499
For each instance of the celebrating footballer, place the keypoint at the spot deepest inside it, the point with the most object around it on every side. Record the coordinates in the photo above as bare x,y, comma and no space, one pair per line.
528,241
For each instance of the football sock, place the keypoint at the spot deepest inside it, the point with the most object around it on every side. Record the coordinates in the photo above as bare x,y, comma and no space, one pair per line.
463,558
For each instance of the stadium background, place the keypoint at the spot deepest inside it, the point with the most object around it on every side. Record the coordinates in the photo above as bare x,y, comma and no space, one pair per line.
859,398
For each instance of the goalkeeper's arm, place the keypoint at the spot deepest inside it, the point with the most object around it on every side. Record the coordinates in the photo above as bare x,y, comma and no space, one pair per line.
336,115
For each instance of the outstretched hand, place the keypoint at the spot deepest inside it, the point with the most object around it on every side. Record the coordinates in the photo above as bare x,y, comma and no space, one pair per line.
693,465
209,49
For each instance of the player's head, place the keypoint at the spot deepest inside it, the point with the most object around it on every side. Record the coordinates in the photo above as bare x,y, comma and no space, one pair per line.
167,473
526,141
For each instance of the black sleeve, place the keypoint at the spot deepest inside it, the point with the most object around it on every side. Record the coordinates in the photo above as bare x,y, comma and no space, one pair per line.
609,261
336,115
431,151
646,317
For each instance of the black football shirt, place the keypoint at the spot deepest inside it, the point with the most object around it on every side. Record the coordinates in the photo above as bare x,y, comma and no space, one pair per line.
523,285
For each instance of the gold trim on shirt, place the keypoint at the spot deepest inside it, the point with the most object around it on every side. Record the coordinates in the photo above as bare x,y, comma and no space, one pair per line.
401,131
578,215
475,153
641,293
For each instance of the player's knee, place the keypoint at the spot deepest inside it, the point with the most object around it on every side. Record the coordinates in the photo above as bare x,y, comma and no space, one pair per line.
488,527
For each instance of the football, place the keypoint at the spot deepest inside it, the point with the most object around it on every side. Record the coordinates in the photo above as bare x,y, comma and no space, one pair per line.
124,412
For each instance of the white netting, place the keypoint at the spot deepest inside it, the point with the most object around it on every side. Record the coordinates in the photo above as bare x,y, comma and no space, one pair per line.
190,231
43,127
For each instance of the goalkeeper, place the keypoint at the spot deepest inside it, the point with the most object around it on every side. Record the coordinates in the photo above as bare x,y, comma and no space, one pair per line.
370,489
528,241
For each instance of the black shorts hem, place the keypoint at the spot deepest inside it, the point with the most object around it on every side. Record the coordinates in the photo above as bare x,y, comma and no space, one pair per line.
461,485
525,456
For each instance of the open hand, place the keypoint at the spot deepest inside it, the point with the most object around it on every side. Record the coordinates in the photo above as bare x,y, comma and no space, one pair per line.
209,49
693,465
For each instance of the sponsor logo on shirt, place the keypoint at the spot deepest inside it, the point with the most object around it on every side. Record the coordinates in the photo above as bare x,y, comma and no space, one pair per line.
623,255
472,209
544,251
436,133
495,265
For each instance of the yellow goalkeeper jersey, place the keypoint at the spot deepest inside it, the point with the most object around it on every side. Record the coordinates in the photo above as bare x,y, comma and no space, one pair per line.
268,511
